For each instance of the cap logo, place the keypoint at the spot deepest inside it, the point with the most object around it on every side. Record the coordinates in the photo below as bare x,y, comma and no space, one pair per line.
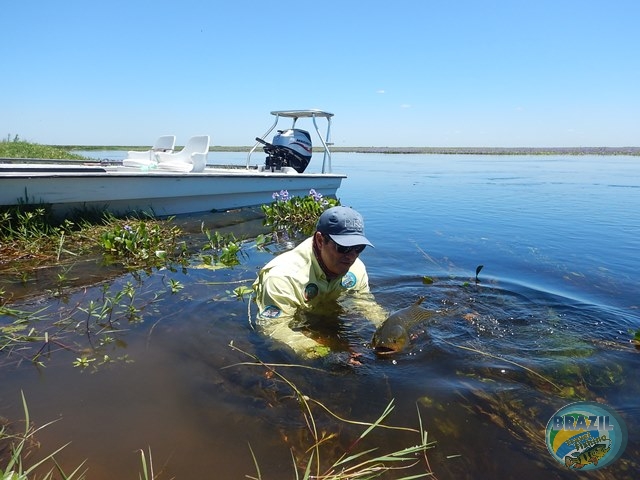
344,223
353,224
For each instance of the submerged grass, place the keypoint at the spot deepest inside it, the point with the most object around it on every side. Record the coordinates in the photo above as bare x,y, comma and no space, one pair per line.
15,466
16,448
352,463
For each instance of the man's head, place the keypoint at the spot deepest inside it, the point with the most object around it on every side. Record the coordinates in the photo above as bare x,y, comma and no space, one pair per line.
340,238
343,225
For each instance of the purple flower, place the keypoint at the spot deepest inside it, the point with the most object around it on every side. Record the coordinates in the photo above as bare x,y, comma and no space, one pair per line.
316,196
284,195
128,229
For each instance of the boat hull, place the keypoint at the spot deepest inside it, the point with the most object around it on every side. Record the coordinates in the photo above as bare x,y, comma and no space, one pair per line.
70,189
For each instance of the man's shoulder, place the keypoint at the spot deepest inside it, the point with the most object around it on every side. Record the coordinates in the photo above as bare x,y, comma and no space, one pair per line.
292,260
358,266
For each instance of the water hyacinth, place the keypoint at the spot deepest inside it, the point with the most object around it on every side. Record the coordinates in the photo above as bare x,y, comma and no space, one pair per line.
318,197
281,196
151,243
296,215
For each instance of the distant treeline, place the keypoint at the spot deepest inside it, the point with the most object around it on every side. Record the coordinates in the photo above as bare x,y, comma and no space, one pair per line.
419,150
496,150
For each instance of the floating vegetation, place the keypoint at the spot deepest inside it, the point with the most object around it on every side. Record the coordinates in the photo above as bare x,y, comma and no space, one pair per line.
91,328
142,243
221,249
31,240
296,215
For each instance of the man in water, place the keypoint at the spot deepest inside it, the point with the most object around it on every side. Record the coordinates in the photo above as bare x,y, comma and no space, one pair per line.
296,287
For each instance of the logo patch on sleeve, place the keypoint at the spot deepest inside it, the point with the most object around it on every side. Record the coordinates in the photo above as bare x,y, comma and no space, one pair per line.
349,280
270,311
310,291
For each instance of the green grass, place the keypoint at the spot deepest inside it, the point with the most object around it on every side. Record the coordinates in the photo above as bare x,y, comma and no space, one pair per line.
16,467
17,148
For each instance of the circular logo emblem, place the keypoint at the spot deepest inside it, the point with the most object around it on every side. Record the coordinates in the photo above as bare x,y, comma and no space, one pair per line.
270,311
349,280
310,291
586,436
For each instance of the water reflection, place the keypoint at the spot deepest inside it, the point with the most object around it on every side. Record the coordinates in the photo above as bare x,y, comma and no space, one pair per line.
547,324
490,369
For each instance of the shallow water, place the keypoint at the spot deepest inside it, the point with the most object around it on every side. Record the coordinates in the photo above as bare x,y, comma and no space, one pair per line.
547,324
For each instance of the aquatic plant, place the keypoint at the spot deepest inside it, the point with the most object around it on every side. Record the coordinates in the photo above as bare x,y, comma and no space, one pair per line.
91,329
142,243
15,468
351,463
296,215
224,249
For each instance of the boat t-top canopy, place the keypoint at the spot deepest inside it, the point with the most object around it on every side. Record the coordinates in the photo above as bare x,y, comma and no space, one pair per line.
301,113
295,115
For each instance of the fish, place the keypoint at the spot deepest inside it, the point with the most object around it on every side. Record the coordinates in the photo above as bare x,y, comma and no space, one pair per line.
590,455
392,335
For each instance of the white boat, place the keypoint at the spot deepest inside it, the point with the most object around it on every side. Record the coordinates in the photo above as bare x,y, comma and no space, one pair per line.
166,183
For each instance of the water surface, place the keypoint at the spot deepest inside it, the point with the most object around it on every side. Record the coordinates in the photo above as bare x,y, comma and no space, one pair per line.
547,324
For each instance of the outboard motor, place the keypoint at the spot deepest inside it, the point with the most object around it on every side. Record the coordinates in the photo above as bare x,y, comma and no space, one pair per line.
290,148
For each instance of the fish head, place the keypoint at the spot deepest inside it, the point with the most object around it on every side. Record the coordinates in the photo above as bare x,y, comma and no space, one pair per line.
389,339
599,450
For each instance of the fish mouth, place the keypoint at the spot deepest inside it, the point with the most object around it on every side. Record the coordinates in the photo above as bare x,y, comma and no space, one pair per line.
380,350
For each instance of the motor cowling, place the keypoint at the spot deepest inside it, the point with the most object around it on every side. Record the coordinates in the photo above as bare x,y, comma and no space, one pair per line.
290,148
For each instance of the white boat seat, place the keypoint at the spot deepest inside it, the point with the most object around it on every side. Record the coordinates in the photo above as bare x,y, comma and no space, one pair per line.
165,143
192,158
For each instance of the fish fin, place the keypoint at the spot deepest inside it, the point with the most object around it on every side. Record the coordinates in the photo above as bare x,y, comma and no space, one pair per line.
420,300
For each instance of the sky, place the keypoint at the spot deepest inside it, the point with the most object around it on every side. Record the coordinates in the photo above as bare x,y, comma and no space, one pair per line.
446,73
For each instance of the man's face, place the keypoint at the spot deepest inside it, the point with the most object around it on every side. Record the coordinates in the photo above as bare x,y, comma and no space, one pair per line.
337,263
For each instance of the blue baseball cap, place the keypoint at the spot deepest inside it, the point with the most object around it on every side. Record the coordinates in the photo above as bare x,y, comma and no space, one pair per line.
343,225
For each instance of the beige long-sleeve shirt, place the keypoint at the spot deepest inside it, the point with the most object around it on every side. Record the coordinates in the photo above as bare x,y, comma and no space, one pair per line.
293,283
